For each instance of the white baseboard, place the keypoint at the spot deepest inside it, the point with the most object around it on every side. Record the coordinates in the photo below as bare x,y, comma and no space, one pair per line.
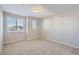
62,43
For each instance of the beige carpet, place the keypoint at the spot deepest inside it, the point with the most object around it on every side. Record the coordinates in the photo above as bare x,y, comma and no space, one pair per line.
38,47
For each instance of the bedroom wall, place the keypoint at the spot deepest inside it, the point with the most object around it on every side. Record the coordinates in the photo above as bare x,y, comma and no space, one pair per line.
62,29
1,30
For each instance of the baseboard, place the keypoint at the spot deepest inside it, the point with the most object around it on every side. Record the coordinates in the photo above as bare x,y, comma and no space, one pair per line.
63,43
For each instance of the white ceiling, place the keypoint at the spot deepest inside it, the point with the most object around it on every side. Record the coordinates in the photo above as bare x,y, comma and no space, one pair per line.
26,10
47,9
63,9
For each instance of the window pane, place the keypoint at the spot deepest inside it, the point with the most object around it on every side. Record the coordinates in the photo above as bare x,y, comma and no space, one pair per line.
11,22
1,25
33,24
20,24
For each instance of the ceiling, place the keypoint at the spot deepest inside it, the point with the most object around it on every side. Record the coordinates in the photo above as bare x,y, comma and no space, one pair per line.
63,9
46,9
26,10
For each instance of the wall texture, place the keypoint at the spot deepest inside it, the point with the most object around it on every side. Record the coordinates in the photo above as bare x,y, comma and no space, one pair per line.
63,29
1,30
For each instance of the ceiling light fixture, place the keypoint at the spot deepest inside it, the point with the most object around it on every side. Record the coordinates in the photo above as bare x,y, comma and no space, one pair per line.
36,10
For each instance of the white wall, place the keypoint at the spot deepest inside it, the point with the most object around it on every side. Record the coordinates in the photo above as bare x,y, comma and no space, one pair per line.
63,29
13,37
1,30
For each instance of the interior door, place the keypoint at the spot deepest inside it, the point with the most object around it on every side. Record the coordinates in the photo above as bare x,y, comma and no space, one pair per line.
15,29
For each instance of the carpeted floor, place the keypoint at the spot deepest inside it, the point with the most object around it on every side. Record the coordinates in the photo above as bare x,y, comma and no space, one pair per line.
38,47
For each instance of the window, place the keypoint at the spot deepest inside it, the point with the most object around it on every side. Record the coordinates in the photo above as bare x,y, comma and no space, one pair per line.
15,24
11,23
1,25
33,24
20,24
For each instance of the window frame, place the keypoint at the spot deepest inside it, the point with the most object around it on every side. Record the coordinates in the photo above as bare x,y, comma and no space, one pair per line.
15,16
34,24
